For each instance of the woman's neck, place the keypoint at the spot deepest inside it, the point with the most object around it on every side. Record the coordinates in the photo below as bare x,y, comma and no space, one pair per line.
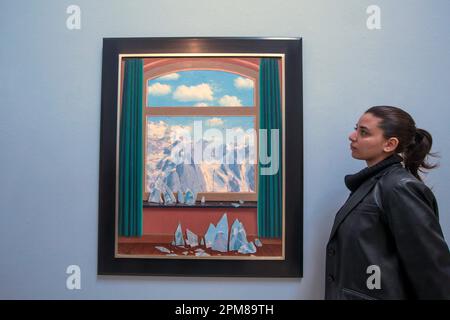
372,162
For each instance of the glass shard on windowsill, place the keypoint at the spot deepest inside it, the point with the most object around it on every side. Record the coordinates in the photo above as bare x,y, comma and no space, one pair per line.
217,238
202,254
247,248
192,239
163,249
179,240
180,197
208,204
220,242
221,238
189,197
210,235
155,196
238,236
168,196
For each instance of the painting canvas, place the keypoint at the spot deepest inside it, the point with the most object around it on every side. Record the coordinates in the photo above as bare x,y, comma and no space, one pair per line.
197,163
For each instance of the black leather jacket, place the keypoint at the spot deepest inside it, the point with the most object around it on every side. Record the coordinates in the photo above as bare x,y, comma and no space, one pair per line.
390,221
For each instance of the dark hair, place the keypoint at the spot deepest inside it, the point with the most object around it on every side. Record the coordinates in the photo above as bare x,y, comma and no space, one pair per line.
414,143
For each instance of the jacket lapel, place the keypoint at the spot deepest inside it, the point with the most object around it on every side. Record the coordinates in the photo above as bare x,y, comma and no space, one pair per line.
352,201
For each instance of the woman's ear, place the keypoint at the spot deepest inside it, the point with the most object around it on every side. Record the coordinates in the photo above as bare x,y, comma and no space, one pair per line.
390,145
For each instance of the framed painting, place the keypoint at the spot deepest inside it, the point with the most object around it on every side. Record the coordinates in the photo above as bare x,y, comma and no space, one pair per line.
201,157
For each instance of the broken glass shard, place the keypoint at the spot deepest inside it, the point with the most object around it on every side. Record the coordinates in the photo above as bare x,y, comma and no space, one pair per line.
221,238
202,254
189,197
155,196
233,235
179,240
180,197
162,249
238,236
169,198
192,238
209,236
220,242
247,248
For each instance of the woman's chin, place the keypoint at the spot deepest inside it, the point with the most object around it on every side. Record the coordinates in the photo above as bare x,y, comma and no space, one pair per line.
356,156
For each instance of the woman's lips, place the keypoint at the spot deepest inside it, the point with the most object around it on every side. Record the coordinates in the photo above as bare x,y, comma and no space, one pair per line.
352,147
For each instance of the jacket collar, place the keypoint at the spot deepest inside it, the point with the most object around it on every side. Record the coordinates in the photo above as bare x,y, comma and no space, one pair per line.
368,180
353,181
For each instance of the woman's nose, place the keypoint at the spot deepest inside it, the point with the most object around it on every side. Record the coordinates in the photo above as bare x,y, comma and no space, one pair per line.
352,136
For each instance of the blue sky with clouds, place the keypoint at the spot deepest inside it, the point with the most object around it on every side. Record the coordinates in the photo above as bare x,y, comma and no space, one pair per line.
219,122
200,88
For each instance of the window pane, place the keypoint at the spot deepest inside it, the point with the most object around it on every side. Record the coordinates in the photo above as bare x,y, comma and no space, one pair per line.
200,88
204,154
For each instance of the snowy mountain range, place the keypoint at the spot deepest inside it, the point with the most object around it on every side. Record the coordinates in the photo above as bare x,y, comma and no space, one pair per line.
171,161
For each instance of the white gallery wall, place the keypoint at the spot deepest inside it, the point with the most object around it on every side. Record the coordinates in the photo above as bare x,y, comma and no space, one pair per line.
50,124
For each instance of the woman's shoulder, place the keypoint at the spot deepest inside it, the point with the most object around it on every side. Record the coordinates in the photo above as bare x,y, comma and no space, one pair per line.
398,180
397,175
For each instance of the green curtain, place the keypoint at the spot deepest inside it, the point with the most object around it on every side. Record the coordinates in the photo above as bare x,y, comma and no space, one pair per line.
270,186
130,151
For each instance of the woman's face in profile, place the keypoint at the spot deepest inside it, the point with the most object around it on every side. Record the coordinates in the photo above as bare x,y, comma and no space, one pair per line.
367,141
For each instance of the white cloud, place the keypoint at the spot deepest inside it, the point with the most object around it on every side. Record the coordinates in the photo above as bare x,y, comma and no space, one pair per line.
243,83
193,93
158,89
177,132
170,76
230,101
201,104
237,131
157,130
242,136
214,122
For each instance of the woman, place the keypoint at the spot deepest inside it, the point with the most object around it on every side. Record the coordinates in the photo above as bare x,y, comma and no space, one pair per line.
386,241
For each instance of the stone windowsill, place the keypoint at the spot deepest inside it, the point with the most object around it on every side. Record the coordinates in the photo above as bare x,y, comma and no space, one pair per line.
208,204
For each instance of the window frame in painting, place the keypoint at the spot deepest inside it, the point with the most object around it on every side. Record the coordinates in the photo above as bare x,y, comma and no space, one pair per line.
196,64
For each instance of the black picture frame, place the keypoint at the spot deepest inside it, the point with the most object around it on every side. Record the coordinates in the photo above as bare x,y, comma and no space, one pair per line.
292,265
